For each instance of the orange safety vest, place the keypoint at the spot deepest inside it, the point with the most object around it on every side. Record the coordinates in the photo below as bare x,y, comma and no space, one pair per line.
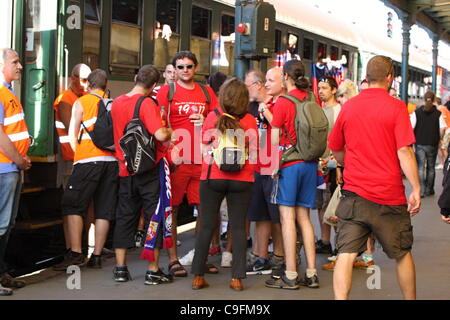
68,97
86,149
14,124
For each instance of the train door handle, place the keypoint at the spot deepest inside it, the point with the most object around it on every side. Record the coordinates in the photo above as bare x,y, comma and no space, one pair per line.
39,85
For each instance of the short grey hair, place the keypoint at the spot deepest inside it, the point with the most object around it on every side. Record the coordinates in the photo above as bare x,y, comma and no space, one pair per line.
4,54
258,76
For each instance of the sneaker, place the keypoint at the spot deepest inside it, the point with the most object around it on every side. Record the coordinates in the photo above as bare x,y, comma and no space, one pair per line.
121,274
439,167
249,243
282,283
95,262
278,272
251,258
139,238
157,277
187,259
227,258
361,264
178,243
312,282
214,251
8,281
333,258
323,248
5,292
71,260
261,266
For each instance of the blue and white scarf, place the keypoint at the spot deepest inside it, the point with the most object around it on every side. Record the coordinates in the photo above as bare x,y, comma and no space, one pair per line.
162,218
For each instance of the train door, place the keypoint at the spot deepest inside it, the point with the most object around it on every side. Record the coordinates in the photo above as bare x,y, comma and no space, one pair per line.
40,27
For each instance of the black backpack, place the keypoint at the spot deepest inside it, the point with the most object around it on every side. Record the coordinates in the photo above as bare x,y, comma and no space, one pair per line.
137,144
103,134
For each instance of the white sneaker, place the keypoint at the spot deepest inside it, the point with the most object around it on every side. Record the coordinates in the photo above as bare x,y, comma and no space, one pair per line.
227,258
187,259
439,167
332,258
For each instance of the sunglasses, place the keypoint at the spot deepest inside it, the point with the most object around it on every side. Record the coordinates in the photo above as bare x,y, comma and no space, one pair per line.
189,67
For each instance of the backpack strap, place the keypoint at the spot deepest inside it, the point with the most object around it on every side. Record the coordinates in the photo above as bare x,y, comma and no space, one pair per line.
206,93
170,96
295,101
80,136
137,108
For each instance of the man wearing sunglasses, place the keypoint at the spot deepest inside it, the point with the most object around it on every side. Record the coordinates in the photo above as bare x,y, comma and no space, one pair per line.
187,110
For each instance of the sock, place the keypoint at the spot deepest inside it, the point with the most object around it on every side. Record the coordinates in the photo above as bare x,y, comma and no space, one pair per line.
291,275
121,267
311,273
367,257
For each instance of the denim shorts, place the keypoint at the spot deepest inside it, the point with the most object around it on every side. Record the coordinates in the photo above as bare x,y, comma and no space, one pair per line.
296,186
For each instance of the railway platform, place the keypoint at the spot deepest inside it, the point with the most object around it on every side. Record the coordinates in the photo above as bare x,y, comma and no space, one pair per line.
431,251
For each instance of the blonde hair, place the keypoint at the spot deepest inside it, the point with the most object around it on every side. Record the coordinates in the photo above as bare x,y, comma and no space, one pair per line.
348,88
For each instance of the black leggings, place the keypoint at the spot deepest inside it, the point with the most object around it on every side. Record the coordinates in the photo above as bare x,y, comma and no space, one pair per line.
212,193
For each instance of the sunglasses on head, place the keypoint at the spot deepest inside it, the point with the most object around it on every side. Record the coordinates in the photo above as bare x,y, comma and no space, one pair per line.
189,67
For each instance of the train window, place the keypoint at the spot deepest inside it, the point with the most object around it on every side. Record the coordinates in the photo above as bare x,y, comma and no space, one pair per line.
201,22
201,41
321,51
228,25
125,51
292,44
91,45
92,11
128,11
167,37
275,61
335,53
223,54
346,53
277,41
308,49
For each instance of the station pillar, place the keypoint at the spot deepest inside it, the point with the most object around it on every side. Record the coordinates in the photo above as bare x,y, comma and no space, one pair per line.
435,62
406,27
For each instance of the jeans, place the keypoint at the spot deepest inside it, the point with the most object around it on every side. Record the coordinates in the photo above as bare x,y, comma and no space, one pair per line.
426,160
212,193
10,187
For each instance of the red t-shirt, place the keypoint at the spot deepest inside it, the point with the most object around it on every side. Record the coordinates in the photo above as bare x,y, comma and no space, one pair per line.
184,104
284,113
372,127
246,174
122,112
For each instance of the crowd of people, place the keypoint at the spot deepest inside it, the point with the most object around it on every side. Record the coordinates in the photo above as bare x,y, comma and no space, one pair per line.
230,141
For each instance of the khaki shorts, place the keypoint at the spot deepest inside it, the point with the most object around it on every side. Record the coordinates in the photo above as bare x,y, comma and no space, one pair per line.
391,225
445,141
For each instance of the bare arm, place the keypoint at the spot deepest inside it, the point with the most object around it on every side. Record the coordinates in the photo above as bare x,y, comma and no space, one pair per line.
75,123
8,148
275,136
409,166
339,156
65,113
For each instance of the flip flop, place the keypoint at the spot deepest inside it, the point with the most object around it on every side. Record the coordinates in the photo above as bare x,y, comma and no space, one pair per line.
175,271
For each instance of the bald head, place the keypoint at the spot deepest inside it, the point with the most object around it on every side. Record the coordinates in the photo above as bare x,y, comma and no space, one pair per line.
274,82
79,76
379,68
81,70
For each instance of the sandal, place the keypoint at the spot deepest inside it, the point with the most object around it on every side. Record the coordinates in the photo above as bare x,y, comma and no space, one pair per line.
211,269
175,271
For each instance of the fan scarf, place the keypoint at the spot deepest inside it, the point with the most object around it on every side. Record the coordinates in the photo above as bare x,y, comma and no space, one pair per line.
162,218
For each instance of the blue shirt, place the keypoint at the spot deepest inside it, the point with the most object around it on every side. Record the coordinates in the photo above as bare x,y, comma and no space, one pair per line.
6,167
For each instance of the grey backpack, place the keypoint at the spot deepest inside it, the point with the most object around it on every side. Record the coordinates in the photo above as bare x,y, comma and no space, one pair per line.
311,127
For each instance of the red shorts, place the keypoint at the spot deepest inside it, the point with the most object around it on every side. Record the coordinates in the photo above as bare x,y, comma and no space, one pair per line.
186,180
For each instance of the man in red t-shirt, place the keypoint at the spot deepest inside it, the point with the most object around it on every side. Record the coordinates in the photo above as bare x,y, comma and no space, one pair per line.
186,113
138,191
373,135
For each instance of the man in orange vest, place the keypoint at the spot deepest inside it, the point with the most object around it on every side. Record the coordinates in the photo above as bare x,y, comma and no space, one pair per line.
95,176
14,143
63,111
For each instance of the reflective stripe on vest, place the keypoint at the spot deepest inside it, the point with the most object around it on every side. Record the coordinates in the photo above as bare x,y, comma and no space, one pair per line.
14,124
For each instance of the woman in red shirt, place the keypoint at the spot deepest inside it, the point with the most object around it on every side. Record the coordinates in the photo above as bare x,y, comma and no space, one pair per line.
216,184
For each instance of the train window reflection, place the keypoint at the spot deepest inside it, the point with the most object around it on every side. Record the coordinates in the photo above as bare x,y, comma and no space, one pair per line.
125,48
321,51
334,53
91,46
167,38
201,41
223,53
127,11
92,10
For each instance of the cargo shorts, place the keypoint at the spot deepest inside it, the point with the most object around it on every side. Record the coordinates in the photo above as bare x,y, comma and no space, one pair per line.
360,217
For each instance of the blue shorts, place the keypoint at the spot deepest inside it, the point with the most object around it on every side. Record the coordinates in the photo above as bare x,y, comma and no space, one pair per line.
296,186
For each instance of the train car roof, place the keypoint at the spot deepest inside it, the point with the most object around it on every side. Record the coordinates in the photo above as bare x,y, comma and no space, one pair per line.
361,24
